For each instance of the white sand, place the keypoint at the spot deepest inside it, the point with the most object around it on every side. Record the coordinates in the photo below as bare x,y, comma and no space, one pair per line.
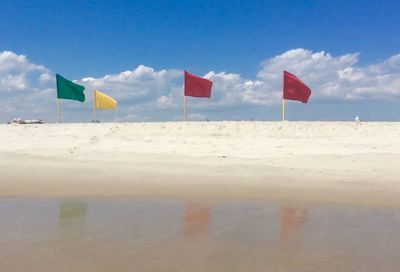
337,162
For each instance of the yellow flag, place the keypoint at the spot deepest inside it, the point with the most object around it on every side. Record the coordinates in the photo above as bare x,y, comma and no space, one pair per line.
103,101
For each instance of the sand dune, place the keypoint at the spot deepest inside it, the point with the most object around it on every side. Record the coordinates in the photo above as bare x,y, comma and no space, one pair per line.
310,161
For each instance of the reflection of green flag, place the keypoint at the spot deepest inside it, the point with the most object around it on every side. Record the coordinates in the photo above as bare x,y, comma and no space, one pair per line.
66,89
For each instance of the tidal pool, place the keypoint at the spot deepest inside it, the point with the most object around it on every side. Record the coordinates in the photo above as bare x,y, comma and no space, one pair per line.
128,234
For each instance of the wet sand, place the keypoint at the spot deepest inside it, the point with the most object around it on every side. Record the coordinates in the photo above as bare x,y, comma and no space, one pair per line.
136,234
186,178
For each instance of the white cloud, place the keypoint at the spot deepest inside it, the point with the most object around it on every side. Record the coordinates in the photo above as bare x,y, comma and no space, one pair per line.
319,70
142,82
17,73
144,93
231,89
139,91
334,77
24,90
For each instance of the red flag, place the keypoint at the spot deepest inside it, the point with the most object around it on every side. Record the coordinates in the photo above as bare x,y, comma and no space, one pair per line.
294,88
197,86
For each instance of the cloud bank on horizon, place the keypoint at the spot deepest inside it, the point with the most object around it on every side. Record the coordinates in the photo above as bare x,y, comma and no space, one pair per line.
27,90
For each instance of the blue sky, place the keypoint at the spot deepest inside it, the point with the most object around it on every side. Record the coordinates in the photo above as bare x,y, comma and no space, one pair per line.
234,43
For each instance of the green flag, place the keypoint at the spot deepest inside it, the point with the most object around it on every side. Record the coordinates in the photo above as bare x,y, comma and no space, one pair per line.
66,89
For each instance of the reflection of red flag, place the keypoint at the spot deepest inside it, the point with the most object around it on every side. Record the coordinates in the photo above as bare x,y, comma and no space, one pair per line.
197,86
197,219
291,222
294,88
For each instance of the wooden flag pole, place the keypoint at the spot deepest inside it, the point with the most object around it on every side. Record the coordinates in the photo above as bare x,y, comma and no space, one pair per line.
184,107
94,105
58,111
283,109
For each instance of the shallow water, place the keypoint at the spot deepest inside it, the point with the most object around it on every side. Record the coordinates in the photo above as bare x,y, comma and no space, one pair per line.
124,234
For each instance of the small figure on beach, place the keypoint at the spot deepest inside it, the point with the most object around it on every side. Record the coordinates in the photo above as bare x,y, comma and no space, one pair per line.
357,120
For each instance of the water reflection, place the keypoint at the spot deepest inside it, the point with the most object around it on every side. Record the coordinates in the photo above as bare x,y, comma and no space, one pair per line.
173,235
197,219
69,244
72,213
292,221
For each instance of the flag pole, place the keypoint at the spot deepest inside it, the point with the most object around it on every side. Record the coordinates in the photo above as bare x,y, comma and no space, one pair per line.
58,111
283,109
184,107
94,105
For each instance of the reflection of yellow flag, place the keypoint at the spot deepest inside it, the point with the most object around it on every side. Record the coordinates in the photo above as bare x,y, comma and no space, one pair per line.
104,102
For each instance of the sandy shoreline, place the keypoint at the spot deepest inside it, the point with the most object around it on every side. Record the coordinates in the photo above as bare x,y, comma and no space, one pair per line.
335,162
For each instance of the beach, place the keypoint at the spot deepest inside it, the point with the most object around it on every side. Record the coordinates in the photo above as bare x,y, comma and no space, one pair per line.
329,162
196,196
